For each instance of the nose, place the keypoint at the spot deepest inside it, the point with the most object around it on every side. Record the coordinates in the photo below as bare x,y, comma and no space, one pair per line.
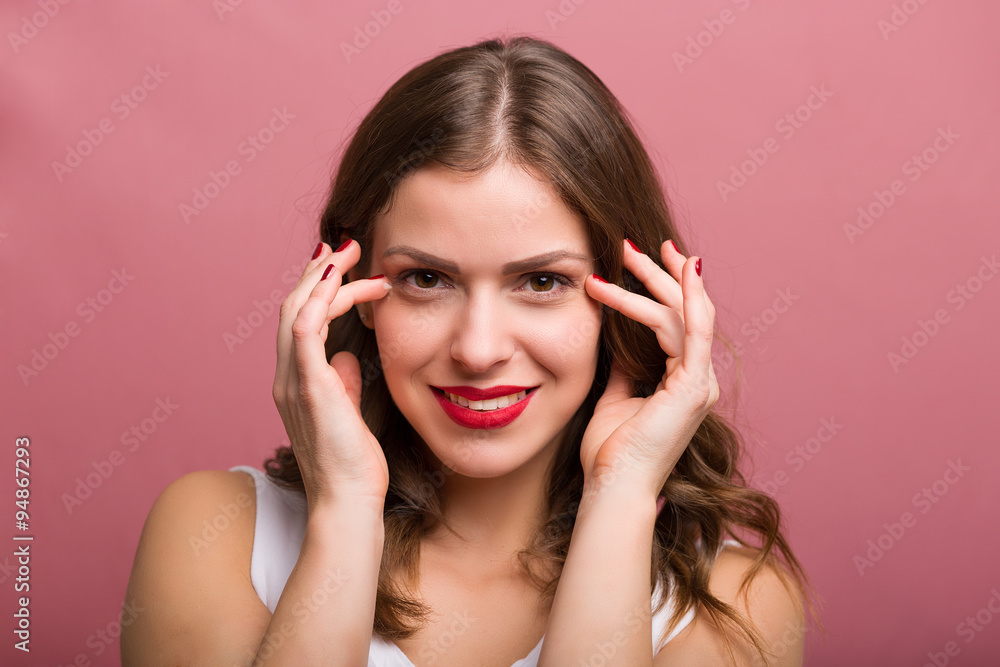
482,339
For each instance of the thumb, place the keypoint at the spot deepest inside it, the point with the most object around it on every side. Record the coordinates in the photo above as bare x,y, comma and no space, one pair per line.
619,386
347,367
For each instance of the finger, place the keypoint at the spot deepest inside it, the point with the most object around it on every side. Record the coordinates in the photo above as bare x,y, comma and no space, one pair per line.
698,324
308,328
660,284
349,370
663,320
672,259
345,257
355,292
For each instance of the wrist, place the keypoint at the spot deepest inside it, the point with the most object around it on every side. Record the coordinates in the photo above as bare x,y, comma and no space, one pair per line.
364,514
623,494
610,482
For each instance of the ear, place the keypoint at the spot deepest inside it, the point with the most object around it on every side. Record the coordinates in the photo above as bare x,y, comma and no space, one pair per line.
365,314
364,309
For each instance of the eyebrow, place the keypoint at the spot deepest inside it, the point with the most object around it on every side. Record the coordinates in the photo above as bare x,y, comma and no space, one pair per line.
520,266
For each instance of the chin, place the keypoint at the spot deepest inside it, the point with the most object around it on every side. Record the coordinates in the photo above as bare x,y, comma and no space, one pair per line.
472,458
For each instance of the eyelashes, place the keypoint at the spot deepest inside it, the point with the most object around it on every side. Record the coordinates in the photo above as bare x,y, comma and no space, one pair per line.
540,285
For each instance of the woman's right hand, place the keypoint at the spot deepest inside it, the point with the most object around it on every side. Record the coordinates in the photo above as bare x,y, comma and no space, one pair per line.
320,402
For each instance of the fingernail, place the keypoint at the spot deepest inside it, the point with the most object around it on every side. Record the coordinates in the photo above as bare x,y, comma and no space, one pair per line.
381,275
597,277
633,245
660,502
674,246
319,249
343,245
697,266
327,272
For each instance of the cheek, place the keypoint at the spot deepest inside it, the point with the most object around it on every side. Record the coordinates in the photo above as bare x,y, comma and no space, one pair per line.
408,335
568,341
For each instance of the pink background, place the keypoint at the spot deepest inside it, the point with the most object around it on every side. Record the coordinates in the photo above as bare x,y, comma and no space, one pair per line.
853,300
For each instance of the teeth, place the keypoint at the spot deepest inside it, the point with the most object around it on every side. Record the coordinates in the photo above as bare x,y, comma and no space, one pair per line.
488,404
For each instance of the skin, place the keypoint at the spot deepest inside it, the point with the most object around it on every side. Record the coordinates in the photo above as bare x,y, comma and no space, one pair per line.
460,318
483,326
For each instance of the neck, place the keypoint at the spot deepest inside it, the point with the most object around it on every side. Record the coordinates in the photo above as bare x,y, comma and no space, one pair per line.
493,517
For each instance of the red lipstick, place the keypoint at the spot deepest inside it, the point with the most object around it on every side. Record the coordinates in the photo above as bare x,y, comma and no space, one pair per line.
482,419
474,394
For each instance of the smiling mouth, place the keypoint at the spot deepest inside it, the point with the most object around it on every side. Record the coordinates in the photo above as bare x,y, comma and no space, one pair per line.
486,405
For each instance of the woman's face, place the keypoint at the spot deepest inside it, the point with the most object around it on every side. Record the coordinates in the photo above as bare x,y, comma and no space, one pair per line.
488,340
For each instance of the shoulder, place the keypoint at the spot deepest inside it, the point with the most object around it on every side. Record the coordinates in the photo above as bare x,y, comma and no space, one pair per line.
203,494
194,553
772,601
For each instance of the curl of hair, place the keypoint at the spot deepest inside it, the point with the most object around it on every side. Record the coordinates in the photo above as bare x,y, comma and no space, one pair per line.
531,104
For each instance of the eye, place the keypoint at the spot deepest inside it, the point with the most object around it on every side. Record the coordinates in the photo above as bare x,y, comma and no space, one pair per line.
425,279
543,282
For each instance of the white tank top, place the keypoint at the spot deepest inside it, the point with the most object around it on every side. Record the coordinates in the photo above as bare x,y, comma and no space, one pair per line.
280,527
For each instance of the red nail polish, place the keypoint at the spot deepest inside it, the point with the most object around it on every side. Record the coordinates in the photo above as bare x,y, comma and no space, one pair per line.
697,266
633,245
327,272
381,275
343,245
674,245
319,249
597,277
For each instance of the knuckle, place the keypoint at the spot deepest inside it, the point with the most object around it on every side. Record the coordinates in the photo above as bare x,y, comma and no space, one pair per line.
701,394
288,307
705,333
302,327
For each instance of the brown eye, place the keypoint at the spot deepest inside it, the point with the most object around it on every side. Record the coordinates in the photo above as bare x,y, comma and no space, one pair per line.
425,279
541,283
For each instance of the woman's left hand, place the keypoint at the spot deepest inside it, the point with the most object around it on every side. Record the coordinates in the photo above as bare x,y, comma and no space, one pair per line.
637,441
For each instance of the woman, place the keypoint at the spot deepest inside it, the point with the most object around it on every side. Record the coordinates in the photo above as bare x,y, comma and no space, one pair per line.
498,393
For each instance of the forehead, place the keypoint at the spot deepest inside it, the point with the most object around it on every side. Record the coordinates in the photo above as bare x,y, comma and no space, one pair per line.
498,215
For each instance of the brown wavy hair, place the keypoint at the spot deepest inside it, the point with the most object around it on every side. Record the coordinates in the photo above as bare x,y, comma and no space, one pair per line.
530,103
